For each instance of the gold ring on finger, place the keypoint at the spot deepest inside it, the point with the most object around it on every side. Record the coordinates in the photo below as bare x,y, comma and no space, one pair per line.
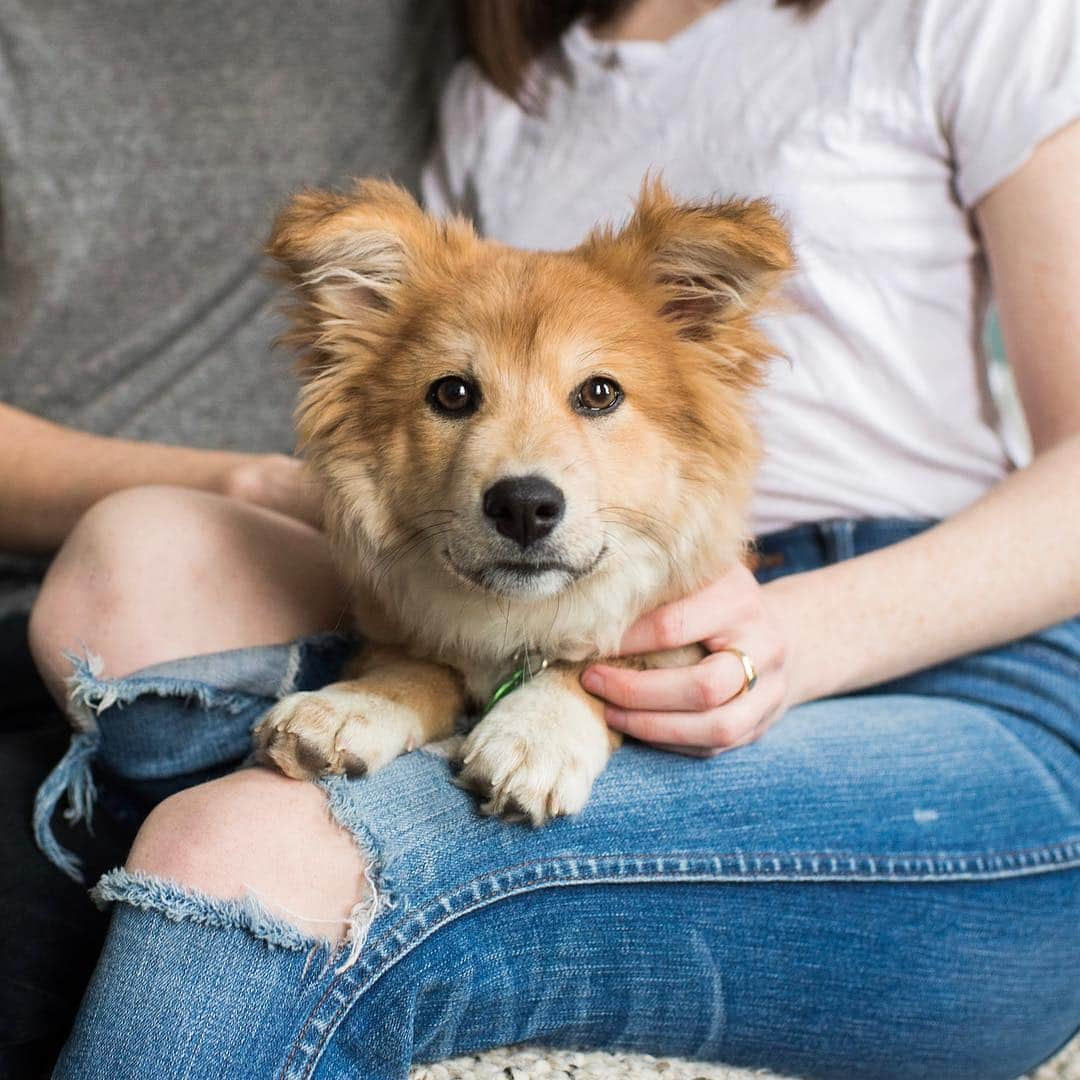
749,671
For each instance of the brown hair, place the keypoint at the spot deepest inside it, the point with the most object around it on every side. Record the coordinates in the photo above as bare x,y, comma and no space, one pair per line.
504,36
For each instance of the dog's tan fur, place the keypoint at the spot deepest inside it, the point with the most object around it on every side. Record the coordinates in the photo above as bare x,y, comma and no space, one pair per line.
389,300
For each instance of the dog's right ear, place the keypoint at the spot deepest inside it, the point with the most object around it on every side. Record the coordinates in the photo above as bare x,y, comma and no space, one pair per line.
349,257
348,252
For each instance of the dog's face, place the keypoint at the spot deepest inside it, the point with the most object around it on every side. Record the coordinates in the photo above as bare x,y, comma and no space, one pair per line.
529,425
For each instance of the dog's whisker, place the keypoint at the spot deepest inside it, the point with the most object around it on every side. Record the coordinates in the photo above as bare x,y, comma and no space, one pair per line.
506,627
635,512
417,539
656,543
554,620
656,522
391,552
341,615
428,513
647,529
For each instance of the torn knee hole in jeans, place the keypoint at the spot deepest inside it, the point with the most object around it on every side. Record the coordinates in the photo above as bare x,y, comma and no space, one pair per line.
176,718
98,704
265,918
168,723
248,912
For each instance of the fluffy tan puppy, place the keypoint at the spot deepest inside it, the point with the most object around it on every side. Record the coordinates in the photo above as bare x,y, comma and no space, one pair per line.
522,452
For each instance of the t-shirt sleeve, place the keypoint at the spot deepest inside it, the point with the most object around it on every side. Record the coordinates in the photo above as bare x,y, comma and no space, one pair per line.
444,179
1006,76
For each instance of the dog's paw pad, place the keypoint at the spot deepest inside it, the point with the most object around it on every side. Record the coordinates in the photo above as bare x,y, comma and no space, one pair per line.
294,755
313,733
298,736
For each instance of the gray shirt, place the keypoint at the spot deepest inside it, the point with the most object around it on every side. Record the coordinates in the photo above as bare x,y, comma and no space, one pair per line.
145,146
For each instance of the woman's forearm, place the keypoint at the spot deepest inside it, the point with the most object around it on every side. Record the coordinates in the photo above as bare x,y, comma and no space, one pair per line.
50,475
1005,566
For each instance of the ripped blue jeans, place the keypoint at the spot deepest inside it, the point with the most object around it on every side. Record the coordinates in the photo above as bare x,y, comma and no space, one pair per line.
887,884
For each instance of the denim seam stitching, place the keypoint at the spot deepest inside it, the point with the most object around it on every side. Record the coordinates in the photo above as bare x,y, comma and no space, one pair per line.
1063,856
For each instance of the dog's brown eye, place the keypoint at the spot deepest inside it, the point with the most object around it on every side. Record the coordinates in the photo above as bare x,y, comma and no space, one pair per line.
598,394
453,396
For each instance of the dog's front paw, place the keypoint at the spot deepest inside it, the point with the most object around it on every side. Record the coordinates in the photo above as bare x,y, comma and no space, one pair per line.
334,730
532,758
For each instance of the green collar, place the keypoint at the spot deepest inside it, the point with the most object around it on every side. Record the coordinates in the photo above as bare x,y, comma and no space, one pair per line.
516,679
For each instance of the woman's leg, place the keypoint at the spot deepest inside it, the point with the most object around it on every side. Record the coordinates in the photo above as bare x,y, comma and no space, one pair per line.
258,834
154,574
883,886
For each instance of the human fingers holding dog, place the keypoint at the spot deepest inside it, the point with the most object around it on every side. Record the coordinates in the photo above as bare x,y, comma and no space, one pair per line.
711,706
277,482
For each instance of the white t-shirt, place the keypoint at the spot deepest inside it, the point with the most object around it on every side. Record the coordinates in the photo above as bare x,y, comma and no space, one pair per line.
874,126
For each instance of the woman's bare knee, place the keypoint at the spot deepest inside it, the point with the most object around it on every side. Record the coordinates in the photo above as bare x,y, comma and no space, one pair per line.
257,833
153,574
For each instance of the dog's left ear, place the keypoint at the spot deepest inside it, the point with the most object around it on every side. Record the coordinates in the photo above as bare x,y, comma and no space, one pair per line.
711,264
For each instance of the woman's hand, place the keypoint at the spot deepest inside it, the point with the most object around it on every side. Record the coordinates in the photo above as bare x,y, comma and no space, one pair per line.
700,709
279,483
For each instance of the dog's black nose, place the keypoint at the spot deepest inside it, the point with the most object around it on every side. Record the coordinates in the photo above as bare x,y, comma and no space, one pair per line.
524,508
